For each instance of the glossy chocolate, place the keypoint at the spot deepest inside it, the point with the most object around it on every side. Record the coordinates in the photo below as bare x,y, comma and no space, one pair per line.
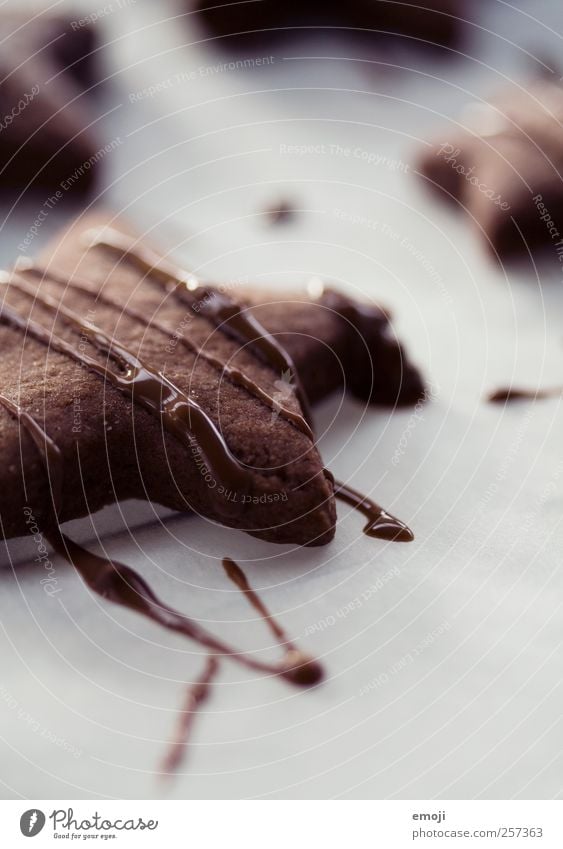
380,524
304,670
512,393
217,307
232,374
122,585
196,694
180,414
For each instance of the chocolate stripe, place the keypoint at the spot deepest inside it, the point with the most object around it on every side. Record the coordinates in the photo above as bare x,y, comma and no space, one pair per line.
180,415
219,309
234,375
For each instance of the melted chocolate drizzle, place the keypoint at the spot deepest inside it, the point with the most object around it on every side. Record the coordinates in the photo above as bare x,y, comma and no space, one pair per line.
512,393
234,375
196,694
380,524
184,418
122,585
215,306
180,415
309,670
237,576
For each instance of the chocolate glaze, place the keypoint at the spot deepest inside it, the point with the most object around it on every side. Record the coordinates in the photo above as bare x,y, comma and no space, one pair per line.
180,415
309,671
370,345
232,374
380,524
510,393
217,307
198,693
246,329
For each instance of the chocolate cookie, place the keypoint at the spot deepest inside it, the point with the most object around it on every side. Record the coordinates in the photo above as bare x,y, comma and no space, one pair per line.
45,140
339,343
335,342
125,372
436,22
135,380
504,167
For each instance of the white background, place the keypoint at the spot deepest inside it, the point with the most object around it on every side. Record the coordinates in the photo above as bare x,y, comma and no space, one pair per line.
90,693
398,823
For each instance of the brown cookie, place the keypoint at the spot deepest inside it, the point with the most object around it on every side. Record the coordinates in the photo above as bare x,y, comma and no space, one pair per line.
338,343
46,65
131,387
145,387
504,167
436,22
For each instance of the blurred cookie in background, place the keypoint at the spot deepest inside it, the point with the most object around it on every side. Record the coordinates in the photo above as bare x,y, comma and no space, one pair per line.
433,23
502,162
47,65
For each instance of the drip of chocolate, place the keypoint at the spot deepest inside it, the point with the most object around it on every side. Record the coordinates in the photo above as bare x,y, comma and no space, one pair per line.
511,393
280,212
237,576
217,307
306,671
232,374
198,693
185,419
122,585
309,670
380,524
